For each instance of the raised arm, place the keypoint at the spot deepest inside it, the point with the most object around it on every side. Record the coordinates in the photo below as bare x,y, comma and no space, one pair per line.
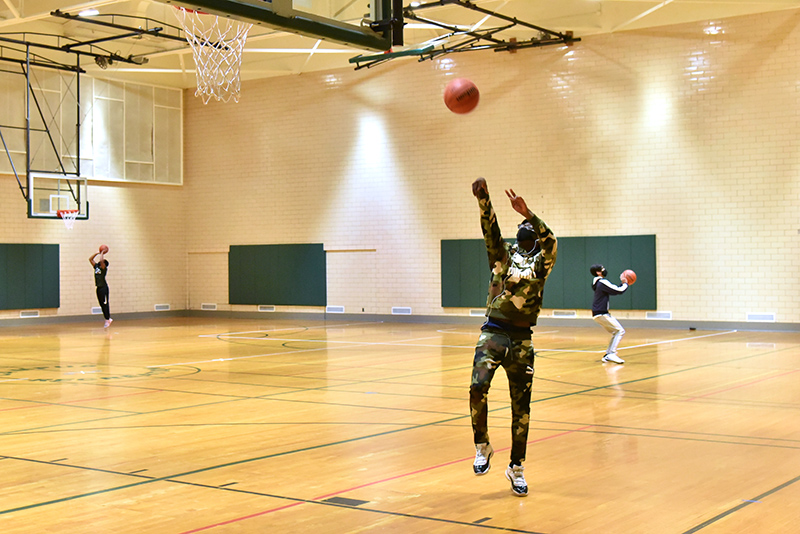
519,204
93,256
547,241
495,246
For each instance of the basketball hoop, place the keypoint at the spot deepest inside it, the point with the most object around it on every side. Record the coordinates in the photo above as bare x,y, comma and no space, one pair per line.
217,49
68,216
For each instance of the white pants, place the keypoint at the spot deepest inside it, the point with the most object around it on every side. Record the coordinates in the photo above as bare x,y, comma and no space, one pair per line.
613,327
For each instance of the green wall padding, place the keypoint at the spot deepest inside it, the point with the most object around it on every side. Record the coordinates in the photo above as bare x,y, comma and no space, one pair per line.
465,272
29,276
281,275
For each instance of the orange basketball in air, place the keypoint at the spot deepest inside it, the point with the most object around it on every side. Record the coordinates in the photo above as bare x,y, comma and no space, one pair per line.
461,95
630,276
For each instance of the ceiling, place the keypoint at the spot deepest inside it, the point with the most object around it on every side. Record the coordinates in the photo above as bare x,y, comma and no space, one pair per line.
272,52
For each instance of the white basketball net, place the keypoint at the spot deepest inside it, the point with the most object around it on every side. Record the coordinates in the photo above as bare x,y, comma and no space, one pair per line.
68,216
217,48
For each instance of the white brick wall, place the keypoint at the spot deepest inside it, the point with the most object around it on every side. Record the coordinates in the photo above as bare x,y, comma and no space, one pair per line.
671,131
144,227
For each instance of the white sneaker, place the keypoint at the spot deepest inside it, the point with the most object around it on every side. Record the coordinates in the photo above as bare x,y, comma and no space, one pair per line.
483,453
108,323
517,477
613,358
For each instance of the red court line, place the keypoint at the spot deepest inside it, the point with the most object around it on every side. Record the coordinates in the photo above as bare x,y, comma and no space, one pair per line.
76,401
329,495
243,518
441,465
741,385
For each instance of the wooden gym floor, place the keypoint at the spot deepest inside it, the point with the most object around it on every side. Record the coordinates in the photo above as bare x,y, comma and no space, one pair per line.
186,425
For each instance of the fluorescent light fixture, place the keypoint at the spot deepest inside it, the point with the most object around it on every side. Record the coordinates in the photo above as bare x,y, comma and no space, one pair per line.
88,13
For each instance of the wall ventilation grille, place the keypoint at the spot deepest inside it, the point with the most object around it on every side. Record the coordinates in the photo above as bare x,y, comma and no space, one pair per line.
761,317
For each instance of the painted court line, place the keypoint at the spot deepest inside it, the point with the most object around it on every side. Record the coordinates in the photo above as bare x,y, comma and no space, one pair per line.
361,343
290,328
678,340
741,385
665,342
343,345
397,343
374,483
47,404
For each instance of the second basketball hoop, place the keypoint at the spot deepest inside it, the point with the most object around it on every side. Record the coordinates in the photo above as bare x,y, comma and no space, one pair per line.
217,46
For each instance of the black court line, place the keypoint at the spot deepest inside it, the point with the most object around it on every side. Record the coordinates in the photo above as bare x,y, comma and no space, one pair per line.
698,440
37,404
662,430
171,478
543,399
749,502
243,461
301,390
228,398
57,463
331,503
221,466
339,502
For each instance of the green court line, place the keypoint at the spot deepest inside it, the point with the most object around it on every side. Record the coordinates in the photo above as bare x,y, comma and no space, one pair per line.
579,423
533,401
360,509
221,466
314,447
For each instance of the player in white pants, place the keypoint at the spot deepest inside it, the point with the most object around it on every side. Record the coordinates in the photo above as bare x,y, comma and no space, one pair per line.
603,289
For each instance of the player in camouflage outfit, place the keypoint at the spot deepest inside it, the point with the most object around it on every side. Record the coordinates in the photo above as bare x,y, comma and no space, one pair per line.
519,272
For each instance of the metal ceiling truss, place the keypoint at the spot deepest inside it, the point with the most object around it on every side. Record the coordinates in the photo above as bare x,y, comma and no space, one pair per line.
46,121
19,50
68,45
474,39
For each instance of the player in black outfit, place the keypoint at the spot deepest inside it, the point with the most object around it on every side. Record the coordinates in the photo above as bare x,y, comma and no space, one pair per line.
100,270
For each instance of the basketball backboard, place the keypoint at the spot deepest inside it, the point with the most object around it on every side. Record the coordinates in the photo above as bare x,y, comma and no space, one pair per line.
315,18
50,193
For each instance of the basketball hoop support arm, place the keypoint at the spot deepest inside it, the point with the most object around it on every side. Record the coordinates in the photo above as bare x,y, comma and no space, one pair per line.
302,23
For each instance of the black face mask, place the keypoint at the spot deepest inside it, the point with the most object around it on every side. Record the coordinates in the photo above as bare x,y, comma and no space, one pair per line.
598,270
525,234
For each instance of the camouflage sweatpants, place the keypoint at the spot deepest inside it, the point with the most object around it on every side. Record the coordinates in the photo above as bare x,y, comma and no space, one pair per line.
495,348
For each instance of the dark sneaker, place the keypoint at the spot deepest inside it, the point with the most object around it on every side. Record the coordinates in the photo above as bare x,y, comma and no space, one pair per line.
517,477
483,453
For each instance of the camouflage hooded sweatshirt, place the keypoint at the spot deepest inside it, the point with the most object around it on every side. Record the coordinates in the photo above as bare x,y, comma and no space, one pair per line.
518,277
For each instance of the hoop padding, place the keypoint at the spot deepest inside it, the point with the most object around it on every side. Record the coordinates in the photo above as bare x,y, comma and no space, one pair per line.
217,46
68,216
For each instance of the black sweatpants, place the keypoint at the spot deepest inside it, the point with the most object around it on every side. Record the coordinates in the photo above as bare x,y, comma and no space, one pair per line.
102,298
